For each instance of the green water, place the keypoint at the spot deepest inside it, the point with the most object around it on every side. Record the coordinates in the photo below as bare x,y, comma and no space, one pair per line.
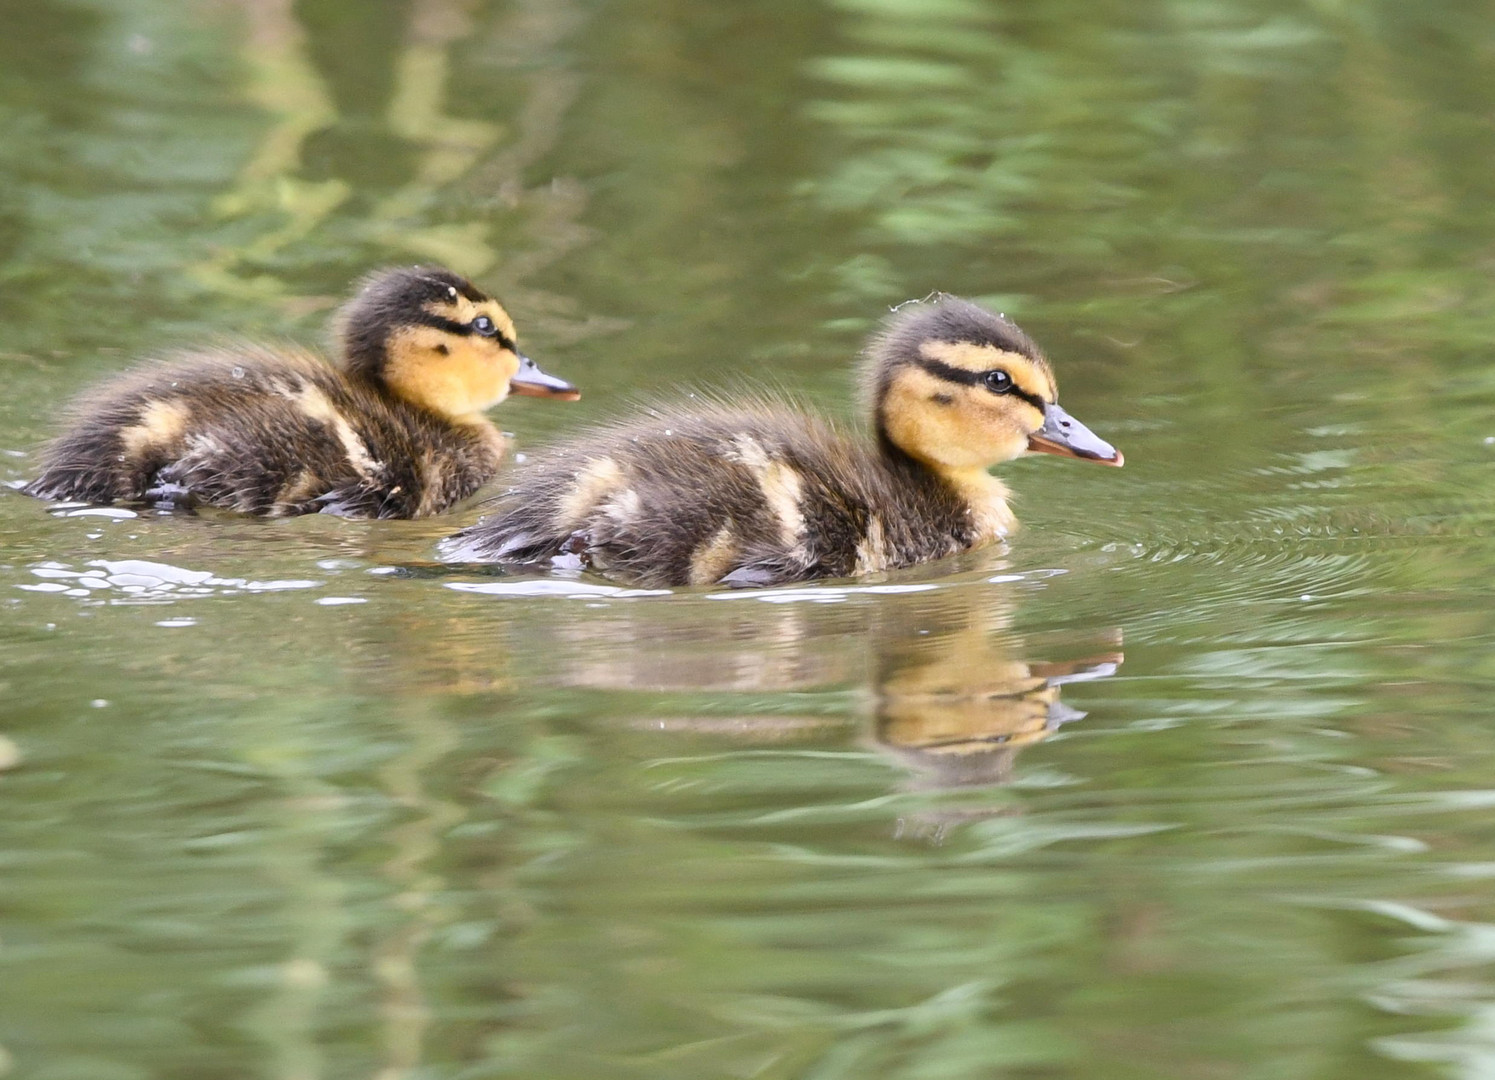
286,808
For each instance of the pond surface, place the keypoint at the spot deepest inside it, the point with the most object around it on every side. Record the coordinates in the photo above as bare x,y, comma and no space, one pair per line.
1193,779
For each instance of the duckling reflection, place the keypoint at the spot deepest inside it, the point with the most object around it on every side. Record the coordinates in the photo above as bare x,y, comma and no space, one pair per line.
957,708
934,679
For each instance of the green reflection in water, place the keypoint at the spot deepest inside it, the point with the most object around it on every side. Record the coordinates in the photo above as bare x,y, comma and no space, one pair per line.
278,812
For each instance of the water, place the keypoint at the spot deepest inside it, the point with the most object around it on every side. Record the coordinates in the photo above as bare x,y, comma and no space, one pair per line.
1192,779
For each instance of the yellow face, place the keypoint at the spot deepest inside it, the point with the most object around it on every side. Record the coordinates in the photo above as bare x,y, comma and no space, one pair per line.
959,405
458,369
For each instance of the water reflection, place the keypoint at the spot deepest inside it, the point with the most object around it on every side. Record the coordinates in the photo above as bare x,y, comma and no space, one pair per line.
382,144
932,676
361,124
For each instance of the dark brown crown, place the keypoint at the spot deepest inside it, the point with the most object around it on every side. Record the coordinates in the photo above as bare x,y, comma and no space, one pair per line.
940,317
388,300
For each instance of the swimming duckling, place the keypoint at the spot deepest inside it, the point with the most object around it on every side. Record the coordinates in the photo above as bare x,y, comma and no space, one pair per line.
397,431
759,495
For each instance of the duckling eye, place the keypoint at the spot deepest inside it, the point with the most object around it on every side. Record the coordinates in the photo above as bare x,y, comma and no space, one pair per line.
484,325
998,382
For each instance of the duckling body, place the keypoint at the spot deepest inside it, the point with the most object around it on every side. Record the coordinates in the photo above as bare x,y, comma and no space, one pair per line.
764,494
265,432
396,431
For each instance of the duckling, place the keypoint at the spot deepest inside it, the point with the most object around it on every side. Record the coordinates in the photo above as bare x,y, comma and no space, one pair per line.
396,431
757,494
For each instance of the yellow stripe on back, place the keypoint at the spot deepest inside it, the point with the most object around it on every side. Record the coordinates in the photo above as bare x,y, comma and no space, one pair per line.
161,423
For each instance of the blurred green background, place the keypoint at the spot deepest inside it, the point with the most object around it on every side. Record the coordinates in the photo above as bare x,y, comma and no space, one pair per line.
273,804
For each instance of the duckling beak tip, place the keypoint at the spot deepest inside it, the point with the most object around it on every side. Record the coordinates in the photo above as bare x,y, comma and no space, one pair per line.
530,381
1062,434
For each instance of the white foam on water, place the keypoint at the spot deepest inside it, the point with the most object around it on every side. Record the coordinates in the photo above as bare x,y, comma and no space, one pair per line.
139,579
116,513
818,594
569,590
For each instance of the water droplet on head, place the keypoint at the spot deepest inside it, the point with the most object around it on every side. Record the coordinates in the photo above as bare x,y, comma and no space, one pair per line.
237,372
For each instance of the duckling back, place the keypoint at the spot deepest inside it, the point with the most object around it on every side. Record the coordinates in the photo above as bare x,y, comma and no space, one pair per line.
263,432
743,496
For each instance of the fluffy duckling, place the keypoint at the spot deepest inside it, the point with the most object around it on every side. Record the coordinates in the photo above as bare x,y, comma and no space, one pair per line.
397,431
760,495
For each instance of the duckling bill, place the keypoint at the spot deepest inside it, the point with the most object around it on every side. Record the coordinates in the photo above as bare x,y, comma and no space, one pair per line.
757,494
395,431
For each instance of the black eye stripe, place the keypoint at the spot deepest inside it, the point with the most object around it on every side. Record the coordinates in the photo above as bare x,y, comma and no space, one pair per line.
951,373
451,326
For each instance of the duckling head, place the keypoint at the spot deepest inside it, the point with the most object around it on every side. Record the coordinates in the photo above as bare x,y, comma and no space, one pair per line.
959,388
433,338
